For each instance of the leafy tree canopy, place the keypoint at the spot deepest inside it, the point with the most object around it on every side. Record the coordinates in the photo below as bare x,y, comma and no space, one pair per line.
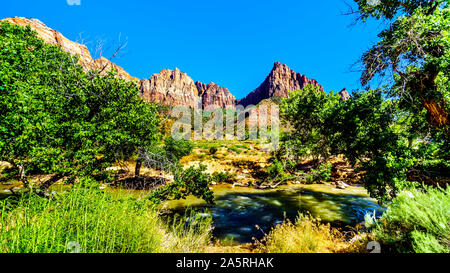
57,119
414,52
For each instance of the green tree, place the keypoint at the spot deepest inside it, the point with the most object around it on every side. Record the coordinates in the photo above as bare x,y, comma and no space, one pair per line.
190,181
177,149
363,128
415,49
59,120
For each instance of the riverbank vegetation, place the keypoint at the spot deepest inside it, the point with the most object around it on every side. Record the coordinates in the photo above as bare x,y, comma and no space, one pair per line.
88,220
305,235
416,221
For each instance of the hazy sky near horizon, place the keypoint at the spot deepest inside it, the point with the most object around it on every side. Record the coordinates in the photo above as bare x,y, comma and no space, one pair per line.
232,43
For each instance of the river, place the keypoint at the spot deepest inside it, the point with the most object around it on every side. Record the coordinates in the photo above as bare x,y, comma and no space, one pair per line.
238,211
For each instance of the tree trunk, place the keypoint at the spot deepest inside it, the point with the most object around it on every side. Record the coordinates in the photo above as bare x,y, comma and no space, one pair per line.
22,176
137,170
437,116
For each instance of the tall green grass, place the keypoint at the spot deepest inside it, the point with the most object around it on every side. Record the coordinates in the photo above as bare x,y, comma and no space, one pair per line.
88,220
416,221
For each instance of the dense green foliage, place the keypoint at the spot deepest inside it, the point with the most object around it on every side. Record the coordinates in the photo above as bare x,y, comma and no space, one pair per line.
359,128
416,50
177,149
397,135
87,220
321,174
57,119
416,221
224,177
392,131
190,181
63,121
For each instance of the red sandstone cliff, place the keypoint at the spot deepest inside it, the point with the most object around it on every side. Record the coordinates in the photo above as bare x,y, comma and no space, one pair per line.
278,83
212,94
344,94
169,87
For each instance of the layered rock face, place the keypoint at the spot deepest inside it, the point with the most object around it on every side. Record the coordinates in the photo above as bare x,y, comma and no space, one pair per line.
212,94
105,65
52,36
278,83
173,87
170,87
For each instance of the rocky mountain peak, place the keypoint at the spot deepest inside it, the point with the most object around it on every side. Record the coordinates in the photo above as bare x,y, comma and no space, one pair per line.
173,87
278,83
213,94
344,94
169,87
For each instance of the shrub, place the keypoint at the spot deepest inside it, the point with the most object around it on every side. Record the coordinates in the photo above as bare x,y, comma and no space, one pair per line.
177,149
191,181
235,149
223,177
322,173
416,221
276,170
213,150
306,235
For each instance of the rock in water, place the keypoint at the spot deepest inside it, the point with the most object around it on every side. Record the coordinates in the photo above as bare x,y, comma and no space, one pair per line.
341,185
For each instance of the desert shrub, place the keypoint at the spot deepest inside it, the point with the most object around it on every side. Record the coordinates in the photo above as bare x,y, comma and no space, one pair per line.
416,221
320,174
223,177
242,147
177,149
276,170
213,150
190,181
306,235
235,149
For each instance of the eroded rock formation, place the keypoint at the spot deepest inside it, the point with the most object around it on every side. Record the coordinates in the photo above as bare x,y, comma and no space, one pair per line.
344,94
212,94
278,83
170,87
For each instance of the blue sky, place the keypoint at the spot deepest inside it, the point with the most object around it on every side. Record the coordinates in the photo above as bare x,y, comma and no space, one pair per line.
232,43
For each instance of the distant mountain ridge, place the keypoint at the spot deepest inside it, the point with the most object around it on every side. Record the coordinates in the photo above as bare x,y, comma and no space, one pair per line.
173,87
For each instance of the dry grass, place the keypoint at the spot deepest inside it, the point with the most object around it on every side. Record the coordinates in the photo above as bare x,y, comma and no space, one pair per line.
306,235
